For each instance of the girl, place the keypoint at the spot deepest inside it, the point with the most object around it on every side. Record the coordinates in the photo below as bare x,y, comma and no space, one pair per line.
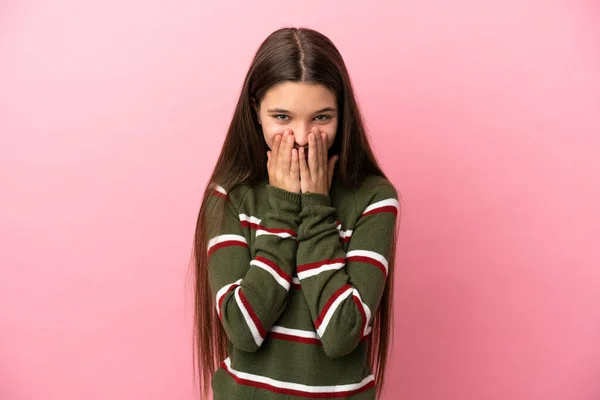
295,239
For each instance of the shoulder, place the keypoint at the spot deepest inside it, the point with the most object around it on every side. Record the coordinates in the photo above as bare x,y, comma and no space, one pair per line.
376,186
376,193
233,195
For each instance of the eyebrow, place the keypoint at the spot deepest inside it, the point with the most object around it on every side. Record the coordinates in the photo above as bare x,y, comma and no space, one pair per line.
283,111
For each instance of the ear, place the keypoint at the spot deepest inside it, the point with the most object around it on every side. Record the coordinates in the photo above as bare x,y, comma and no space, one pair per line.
256,108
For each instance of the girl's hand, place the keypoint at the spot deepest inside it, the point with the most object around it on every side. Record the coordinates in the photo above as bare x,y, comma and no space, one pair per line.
282,164
316,176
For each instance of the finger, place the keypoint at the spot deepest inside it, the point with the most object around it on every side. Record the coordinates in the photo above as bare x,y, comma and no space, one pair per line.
283,154
276,144
304,175
287,158
294,169
324,149
268,158
321,166
312,153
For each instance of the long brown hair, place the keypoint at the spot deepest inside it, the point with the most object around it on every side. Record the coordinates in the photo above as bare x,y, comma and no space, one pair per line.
297,55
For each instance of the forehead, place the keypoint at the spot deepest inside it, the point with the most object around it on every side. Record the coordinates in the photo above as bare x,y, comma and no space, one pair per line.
299,97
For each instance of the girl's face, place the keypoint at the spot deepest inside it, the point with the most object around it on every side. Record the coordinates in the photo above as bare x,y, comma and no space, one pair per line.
298,106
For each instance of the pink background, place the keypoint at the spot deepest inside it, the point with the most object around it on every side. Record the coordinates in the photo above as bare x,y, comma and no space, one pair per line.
486,116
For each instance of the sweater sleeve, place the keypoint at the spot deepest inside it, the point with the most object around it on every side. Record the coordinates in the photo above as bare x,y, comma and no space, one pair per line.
344,289
250,293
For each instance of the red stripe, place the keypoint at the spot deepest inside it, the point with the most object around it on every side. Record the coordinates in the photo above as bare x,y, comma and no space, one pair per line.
293,392
294,338
220,194
223,298
300,339
368,260
337,294
226,243
390,209
361,309
296,286
309,266
278,230
250,310
275,267
249,224
253,225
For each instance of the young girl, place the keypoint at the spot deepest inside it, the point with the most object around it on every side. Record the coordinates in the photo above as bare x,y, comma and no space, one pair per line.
295,239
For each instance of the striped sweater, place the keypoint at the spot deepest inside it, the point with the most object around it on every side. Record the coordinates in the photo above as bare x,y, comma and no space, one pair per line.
296,279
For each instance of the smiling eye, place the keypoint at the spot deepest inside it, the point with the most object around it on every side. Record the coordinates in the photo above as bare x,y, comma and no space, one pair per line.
281,115
325,117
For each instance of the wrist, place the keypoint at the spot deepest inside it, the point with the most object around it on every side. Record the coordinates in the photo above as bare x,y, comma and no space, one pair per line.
279,194
315,199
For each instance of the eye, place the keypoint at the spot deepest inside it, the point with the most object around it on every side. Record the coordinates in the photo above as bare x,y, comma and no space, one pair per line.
324,118
285,117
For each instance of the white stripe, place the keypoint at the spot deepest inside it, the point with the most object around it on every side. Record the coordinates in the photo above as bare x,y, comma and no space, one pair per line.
296,280
249,218
295,332
257,338
369,254
298,386
224,238
281,234
222,292
278,278
221,189
307,334
332,309
322,268
344,234
366,309
382,203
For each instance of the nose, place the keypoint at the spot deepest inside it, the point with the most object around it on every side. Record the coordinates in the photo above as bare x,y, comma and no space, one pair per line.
301,135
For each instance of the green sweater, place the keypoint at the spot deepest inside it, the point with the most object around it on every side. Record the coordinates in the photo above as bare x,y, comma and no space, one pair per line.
296,279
